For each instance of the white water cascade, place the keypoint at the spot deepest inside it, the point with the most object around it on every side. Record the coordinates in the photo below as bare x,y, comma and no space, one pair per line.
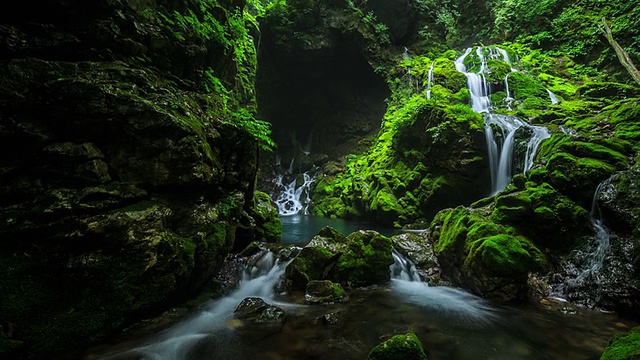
597,248
430,80
501,149
260,275
293,198
405,281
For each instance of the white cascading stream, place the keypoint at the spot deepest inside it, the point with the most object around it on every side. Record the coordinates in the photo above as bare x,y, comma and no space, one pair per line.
260,275
405,282
430,80
501,144
553,97
293,198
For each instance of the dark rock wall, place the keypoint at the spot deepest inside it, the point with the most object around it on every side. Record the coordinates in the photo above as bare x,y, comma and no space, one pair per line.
123,179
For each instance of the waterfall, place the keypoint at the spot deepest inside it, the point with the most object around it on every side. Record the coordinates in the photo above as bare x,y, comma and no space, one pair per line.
430,80
403,269
293,199
553,97
500,148
260,275
598,246
405,282
508,100
478,86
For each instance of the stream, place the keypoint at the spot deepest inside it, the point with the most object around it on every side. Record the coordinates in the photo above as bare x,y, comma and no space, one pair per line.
451,324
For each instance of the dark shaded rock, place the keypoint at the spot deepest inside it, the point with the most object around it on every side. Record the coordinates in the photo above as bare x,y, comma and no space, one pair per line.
124,176
260,314
324,291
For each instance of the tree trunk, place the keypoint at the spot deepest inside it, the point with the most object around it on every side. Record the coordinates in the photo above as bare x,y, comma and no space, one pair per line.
623,56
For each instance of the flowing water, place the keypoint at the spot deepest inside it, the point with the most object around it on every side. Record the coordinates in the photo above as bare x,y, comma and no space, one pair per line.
293,198
586,263
502,144
553,97
502,148
452,324
430,80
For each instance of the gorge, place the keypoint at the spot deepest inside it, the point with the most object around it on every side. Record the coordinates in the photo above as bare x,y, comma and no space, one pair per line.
309,178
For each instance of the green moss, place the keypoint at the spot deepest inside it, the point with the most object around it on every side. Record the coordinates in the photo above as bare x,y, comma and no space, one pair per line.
399,347
623,346
310,264
507,255
366,260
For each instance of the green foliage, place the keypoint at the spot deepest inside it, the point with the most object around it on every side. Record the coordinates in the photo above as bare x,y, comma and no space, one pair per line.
260,130
623,346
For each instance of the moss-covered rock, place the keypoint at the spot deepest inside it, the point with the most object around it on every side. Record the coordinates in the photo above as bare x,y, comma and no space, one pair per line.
399,347
623,346
324,291
366,259
312,263
268,224
482,256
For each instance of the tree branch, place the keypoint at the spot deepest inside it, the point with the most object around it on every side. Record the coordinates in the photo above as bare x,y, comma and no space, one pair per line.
623,56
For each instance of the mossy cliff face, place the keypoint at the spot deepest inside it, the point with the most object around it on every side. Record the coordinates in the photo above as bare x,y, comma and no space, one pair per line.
126,161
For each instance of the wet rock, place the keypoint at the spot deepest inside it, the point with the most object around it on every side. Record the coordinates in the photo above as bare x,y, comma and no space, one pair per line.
324,291
417,248
399,347
260,314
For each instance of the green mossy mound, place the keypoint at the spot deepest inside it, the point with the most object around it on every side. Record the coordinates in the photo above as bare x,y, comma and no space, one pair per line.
361,259
265,213
482,256
366,259
399,347
623,346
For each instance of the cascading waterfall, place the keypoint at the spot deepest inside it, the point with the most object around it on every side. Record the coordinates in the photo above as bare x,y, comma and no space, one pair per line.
478,86
260,275
430,80
294,199
405,281
500,149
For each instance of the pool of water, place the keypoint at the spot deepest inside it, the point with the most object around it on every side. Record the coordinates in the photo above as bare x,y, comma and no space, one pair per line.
299,229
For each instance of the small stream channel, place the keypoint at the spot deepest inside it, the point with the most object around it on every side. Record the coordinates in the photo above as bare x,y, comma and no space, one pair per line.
451,324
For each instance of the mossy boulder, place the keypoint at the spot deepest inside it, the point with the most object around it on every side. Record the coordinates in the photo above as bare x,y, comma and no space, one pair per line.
399,347
265,213
540,212
366,259
482,256
312,263
623,346
324,291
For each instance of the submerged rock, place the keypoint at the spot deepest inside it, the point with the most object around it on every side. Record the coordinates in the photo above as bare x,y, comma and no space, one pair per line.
399,347
324,291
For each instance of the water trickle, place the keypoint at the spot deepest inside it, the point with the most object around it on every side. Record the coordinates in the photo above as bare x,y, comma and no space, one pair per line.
597,248
553,97
293,198
260,275
403,269
430,80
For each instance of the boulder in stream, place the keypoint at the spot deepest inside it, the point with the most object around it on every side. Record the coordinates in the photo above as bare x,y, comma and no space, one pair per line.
399,347
324,291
